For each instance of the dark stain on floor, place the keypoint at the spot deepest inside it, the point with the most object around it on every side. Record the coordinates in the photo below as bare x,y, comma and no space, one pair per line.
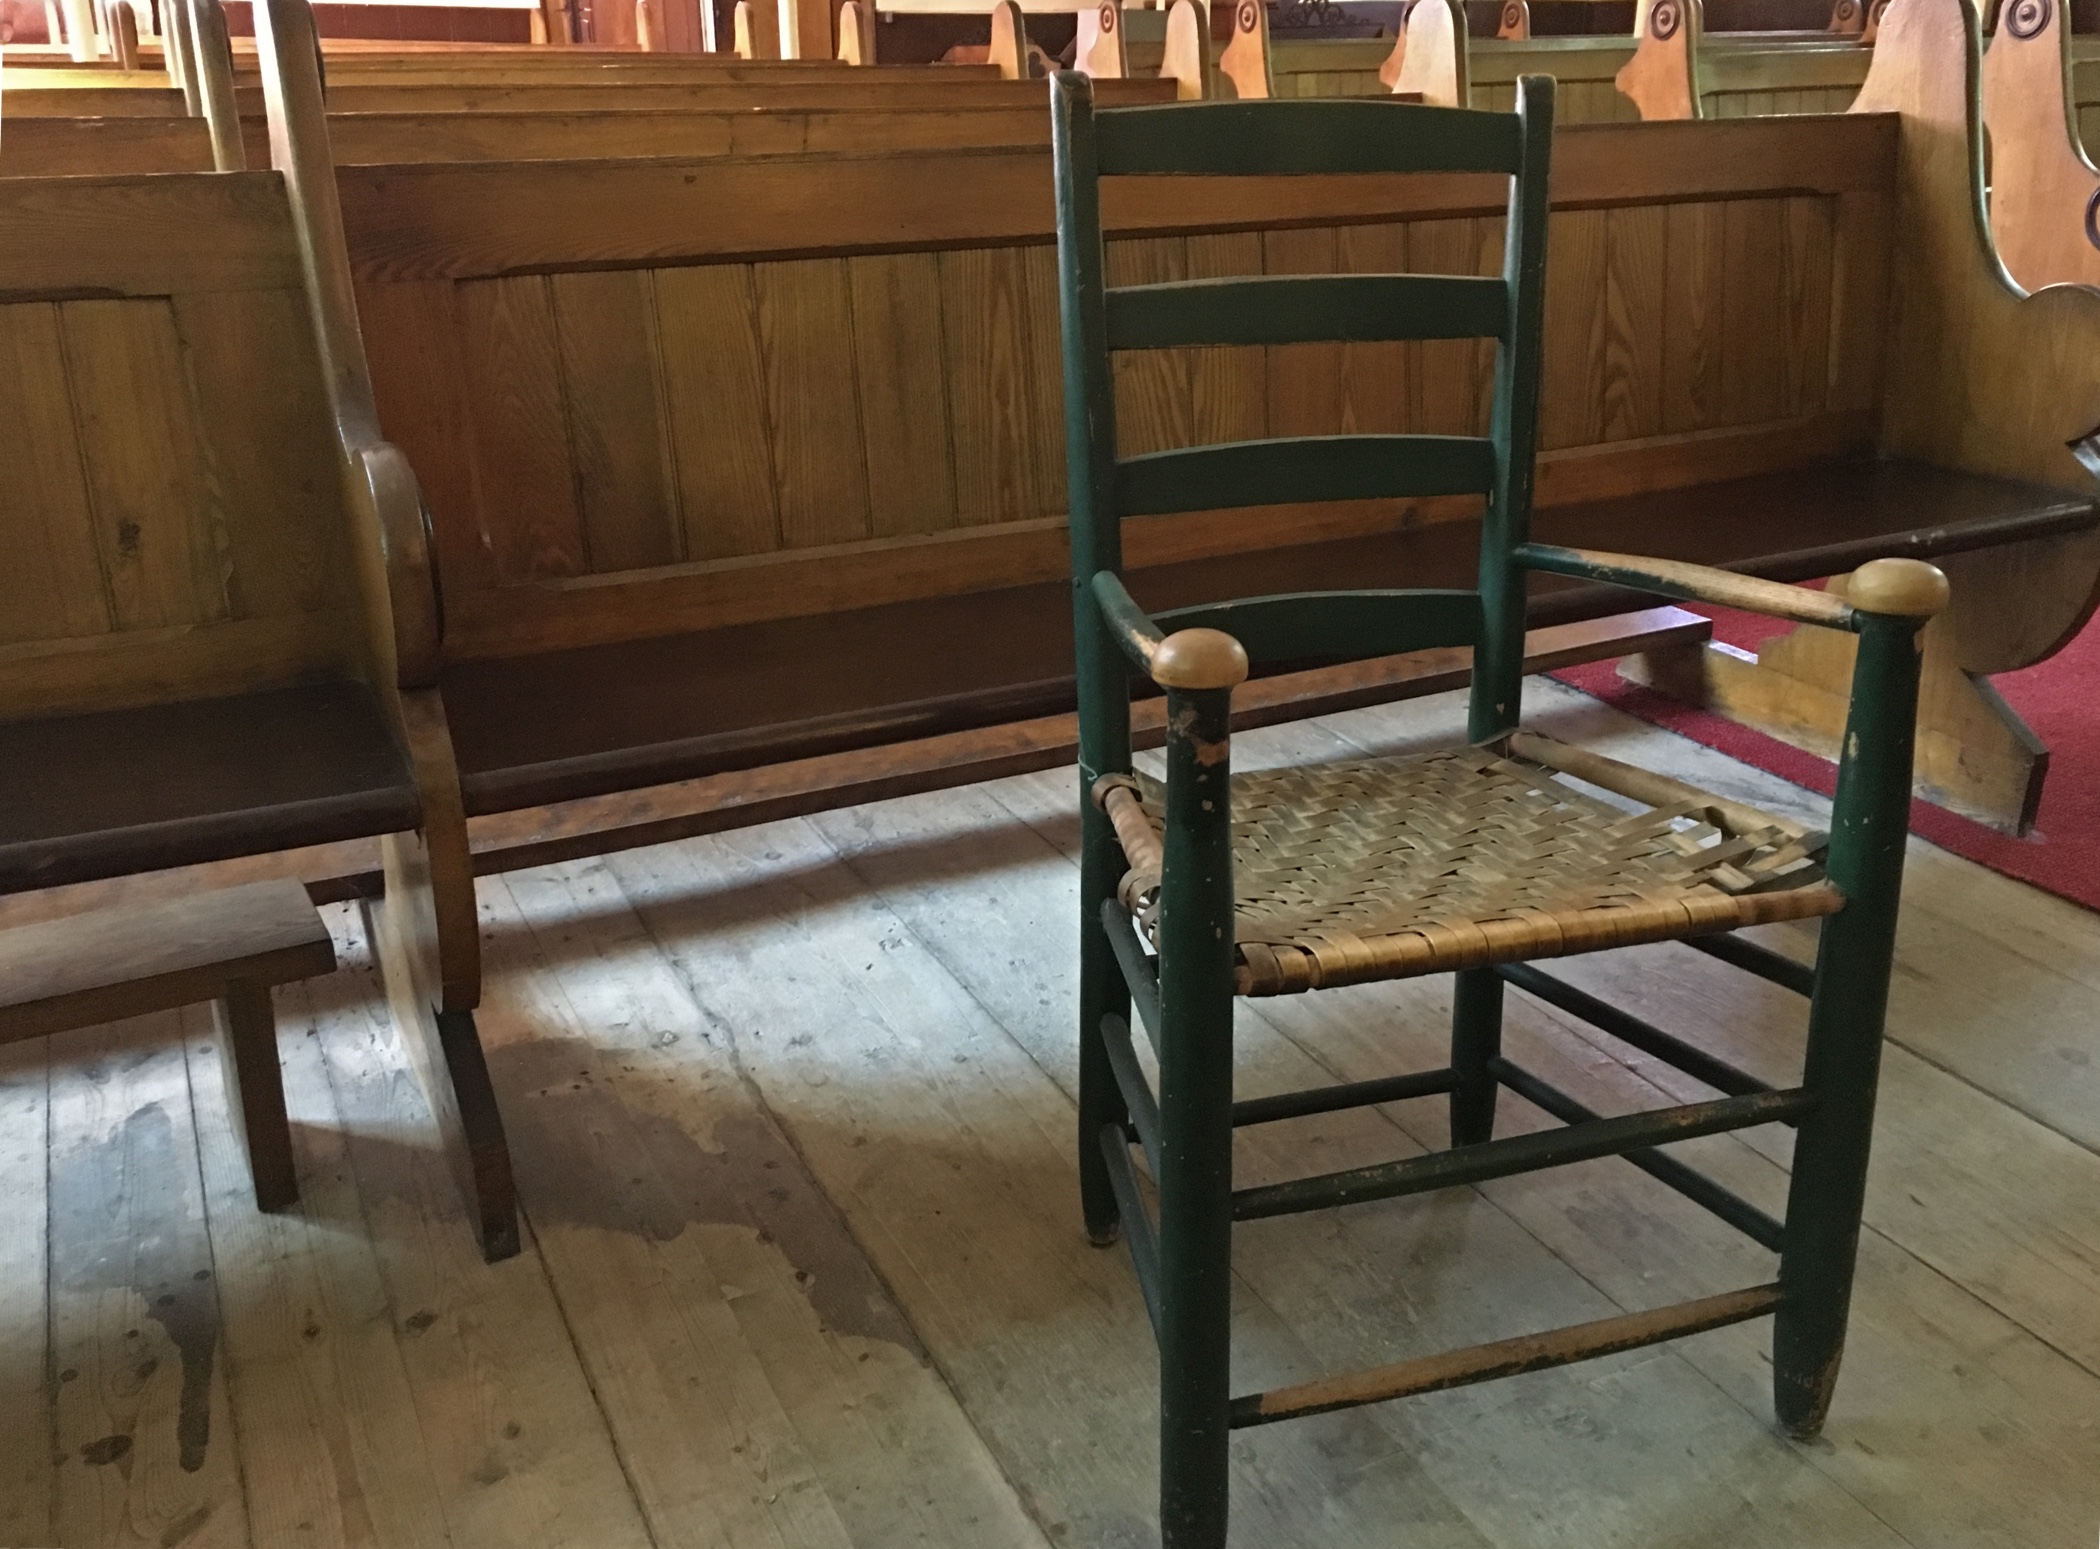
584,1155
128,1222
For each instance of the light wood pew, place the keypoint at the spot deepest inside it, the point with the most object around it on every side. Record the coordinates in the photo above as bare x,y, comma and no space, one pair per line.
2045,190
1680,70
222,633
1983,376
228,947
707,492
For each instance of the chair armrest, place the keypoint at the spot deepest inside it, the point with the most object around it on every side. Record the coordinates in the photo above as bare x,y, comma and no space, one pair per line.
1186,659
1904,588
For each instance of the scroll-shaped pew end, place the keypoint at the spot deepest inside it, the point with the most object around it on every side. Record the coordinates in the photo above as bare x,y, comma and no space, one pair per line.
756,30
1979,377
648,32
1431,55
1246,61
1099,52
124,34
1514,25
1010,52
1186,61
1662,78
2045,193
1872,29
212,53
857,32
1848,18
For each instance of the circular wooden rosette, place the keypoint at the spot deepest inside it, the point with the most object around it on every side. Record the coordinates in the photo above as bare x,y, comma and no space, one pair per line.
2025,18
1108,16
1512,14
1846,10
1246,17
2092,219
1664,20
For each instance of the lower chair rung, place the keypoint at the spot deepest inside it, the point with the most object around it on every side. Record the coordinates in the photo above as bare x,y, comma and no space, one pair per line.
1504,1358
1350,1094
1137,1224
1520,1154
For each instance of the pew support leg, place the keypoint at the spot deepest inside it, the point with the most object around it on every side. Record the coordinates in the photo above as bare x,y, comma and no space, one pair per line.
247,1043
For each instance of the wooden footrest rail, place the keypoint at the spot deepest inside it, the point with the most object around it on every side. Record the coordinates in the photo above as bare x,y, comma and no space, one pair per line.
1520,1153
1631,1030
1505,1358
1775,967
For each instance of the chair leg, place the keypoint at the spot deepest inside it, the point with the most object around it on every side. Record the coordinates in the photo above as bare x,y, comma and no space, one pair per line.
1476,1038
1102,993
247,1040
1827,1194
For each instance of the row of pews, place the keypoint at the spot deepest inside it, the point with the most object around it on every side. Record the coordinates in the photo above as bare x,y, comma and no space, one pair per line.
555,452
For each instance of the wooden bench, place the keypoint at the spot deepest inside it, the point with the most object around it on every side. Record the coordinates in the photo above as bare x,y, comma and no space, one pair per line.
221,630
2045,190
226,947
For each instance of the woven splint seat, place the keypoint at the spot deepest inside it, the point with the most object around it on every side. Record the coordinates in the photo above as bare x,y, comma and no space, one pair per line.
1385,868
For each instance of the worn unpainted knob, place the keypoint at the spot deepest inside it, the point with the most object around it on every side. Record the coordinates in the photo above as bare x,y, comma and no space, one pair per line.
1907,588
1199,658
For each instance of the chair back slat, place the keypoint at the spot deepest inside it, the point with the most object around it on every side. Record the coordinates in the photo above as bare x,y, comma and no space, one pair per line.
1295,309
1301,139
1292,469
1337,626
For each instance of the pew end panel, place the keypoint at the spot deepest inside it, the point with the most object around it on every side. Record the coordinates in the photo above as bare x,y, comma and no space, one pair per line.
425,928
2045,190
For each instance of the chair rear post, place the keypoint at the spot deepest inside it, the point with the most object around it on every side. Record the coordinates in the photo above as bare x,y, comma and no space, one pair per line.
1498,661
1103,676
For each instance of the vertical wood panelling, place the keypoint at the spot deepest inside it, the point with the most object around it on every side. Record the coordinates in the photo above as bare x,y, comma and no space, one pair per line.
522,454
1807,233
1228,387
1377,379
158,528
1636,241
1691,302
274,462
805,329
613,387
1571,401
417,349
1152,386
1304,380
900,365
715,386
1451,385
51,584
1046,463
1753,376
996,395
1859,289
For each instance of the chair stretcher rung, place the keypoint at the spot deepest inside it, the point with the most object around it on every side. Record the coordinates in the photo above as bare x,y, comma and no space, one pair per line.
1667,1170
1776,967
1137,1092
1504,1358
1519,1154
1140,973
1350,1094
1628,1029
1137,1225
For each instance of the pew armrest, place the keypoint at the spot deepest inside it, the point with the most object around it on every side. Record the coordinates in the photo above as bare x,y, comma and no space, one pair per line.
393,545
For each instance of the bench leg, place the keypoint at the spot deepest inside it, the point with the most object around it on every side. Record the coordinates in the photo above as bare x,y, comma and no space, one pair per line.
247,1043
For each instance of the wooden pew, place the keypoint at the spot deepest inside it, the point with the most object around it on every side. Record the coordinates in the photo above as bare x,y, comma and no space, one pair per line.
222,631
702,508
1981,376
1677,71
2045,190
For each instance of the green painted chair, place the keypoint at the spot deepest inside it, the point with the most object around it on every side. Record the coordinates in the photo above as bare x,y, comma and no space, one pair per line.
1473,860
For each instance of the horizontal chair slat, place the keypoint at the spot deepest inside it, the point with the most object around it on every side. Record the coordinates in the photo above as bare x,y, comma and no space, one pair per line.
1303,468
1338,626
1290,309
1285,138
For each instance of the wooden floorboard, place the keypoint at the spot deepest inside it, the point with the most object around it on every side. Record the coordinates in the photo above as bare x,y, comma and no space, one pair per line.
792,1111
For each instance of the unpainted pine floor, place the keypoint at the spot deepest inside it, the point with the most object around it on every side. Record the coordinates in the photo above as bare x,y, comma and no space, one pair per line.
792,1110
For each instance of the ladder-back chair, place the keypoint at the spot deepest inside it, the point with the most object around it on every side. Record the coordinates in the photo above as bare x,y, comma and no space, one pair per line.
1471,860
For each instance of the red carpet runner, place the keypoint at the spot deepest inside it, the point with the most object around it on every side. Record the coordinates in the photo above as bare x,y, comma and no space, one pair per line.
2059,699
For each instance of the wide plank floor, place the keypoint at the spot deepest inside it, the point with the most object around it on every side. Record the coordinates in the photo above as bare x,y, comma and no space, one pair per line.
792,1111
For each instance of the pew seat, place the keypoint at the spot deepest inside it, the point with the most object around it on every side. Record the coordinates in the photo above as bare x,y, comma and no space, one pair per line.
591,721
114,792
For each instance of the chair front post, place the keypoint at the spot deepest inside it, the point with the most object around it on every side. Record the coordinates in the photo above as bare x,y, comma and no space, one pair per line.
1869,822
1195,937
